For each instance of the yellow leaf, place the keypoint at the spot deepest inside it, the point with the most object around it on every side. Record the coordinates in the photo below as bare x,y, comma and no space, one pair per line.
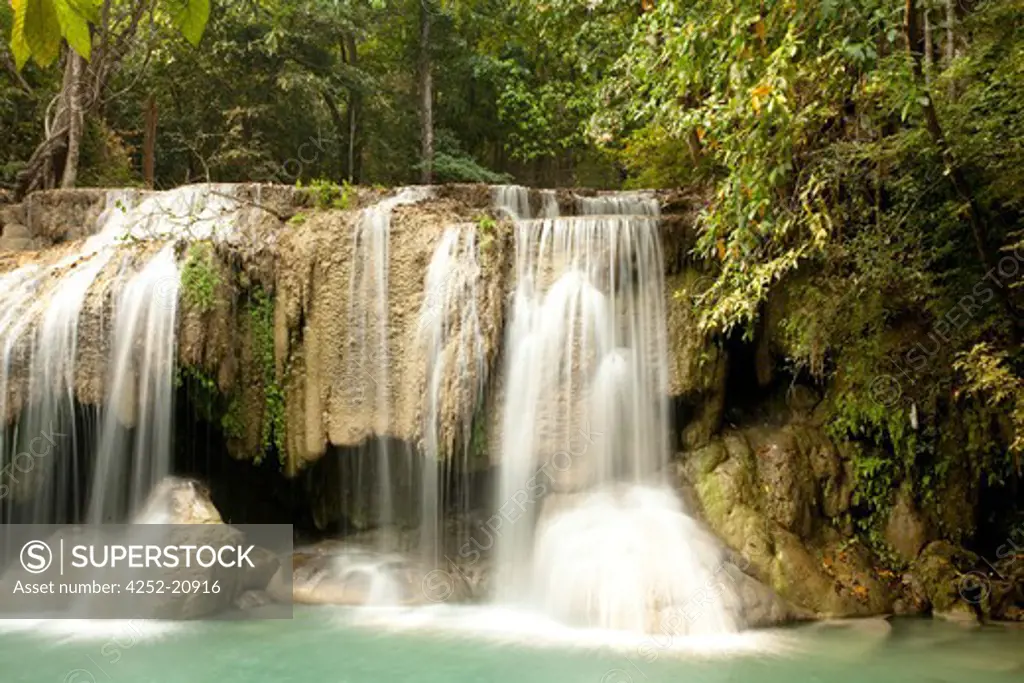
721,248
36,32
761,91
759,28
74,28
39,26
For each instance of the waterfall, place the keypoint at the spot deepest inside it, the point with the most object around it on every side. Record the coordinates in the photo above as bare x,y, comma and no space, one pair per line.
117,460
597,538
456,371
513,200
139,392
625,203
368,325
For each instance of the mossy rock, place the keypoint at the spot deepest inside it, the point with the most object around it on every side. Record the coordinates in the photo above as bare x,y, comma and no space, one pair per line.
952,587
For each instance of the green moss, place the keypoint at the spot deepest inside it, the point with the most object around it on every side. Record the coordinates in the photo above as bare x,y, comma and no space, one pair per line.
209,404
232,422
478,451
200,277
261,319
203,392
713,500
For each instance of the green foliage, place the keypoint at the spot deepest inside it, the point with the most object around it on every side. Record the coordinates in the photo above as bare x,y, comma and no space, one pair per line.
329,195
806,124
996,386
190,17
261,321
486,225
200,277
39,26
203,392
105,159
463,169
232,421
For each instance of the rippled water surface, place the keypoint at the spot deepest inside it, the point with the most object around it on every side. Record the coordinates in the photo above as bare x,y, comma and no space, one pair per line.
330,645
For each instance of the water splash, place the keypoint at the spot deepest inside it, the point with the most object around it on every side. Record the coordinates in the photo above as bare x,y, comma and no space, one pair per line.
598,539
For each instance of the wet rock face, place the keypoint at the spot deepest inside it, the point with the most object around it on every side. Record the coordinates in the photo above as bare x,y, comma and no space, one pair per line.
767,492
789,492
906,530
55,216
957,585
762,607
14,235
697,367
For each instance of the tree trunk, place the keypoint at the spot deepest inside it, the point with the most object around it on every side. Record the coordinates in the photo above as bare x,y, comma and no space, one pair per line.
76,118
57,156
149,144
355,104
958,179
951,43
426,97
950,31
929,48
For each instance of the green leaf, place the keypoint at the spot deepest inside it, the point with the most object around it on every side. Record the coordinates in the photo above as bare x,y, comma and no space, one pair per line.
190,17
87,9
36,32
39,26
74,26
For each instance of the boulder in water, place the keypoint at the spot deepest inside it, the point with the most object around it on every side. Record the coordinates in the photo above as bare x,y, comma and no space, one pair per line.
176,500
955,591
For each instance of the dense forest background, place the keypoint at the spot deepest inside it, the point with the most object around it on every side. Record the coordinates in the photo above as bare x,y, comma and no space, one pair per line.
862,158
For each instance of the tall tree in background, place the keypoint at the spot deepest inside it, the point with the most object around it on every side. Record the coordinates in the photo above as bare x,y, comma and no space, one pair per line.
426,87
99,34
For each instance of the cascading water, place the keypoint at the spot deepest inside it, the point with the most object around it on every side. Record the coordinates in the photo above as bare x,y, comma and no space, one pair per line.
139,392
599,539
368,347
456,372
514,200
40,329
